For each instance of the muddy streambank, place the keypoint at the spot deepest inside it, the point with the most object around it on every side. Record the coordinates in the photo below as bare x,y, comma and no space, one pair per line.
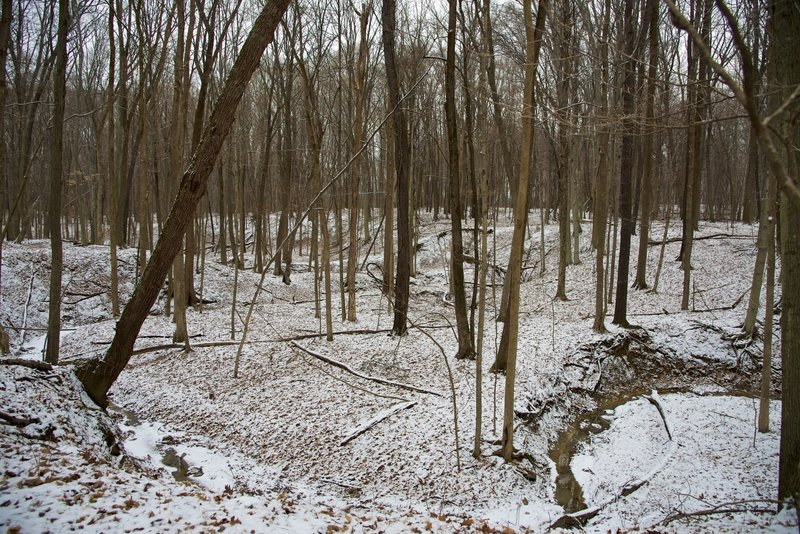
610,372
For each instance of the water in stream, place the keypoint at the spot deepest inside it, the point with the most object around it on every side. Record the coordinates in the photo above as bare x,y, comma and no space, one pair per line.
568,491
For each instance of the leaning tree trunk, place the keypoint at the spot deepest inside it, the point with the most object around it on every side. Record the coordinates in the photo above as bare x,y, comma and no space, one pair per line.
533,36
98,375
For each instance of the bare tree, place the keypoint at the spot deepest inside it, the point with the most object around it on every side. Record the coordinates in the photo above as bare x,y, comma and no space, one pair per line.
533,36
785,26
98,375
56,170
5,27
465,349
359,83
401,154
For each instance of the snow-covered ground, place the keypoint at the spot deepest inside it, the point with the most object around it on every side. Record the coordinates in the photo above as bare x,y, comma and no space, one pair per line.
265,451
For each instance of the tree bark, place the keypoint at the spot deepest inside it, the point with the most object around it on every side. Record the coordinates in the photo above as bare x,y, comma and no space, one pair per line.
98,375
785,20
5,32
600,208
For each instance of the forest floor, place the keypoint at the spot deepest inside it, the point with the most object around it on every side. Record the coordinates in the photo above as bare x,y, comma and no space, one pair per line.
186,445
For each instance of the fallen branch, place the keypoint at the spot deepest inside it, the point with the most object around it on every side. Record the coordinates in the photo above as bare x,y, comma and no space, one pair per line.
577,519
366,425
701,238
339,333
170,346
630,487
30,364
734,507
17,421
654,399
83,296
182,346
352,371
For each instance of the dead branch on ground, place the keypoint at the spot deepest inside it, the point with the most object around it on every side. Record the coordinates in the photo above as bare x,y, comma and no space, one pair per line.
352,371
31,364
375,420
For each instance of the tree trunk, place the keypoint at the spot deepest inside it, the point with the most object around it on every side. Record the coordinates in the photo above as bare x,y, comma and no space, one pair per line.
626,167
648,154
465,349
766,370
326,267
56,168
98,375
359,83
401,154
785,20
5,26
600,208
483,173
388,225
533,38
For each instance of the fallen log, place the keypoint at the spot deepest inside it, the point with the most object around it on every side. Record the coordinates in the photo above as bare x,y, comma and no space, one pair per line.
366,425
17,421
31,364
352,371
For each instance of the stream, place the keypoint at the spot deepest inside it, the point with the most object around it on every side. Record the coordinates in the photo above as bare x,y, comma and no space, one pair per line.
568,491
147,440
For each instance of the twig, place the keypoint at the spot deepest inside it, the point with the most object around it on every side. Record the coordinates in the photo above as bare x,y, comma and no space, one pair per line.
352,371
339,333
337,483
450,379
359,388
